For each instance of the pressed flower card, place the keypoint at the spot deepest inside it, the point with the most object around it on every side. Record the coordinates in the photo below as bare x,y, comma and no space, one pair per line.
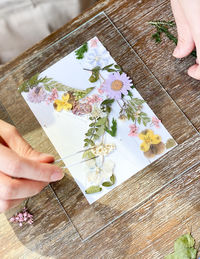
86,102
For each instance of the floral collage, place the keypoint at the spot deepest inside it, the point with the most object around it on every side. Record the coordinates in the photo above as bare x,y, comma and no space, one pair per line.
89,106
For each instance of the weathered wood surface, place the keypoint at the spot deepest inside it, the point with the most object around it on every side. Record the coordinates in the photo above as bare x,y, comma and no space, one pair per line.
142,217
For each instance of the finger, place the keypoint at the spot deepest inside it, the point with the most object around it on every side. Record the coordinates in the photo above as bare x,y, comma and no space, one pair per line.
185,40
194,71
16,166
14,140
5,205
13,189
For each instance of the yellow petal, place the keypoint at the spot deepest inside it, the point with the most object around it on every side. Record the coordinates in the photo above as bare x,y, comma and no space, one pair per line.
150,133
65,97
156,139
144,146
67,106
59,105
145,133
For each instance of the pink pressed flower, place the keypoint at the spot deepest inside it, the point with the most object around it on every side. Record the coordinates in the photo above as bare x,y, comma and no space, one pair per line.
116,85
133,130
94,43
36,95
100,90
95,98
156,122
81,109
53,96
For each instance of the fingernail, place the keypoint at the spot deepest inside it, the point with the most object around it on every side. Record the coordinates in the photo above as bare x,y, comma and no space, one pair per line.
56,176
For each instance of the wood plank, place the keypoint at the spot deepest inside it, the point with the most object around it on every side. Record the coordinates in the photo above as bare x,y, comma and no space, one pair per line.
140,186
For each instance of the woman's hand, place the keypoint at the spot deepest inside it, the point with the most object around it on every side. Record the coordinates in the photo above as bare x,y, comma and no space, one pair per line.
24,172
187,16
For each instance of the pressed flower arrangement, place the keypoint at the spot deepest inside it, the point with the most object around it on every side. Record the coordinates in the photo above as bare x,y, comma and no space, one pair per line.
108,102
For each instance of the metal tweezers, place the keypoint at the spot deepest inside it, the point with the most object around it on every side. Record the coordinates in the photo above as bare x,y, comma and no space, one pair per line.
74,154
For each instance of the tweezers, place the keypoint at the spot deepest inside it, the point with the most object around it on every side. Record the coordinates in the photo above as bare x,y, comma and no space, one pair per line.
74,154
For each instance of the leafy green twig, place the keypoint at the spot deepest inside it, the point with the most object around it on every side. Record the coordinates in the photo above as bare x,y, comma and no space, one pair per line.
163,27
133,110
49,84
81,51
96,71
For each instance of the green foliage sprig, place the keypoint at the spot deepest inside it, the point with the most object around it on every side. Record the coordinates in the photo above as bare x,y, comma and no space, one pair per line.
96,71
49,84
113,129
32,82
81,51
132,109
163,27
96,130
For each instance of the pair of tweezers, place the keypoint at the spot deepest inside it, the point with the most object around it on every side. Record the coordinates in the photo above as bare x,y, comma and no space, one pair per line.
74,154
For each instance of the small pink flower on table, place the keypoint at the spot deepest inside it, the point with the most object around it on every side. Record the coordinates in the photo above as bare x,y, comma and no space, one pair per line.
156,122
133,130
117,84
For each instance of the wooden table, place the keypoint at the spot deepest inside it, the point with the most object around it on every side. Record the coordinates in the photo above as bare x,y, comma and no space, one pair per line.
142,217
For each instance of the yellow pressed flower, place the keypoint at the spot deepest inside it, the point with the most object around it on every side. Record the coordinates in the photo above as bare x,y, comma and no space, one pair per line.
148,138
63,104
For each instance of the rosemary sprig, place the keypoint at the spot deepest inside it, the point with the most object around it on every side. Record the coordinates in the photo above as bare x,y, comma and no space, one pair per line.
163,27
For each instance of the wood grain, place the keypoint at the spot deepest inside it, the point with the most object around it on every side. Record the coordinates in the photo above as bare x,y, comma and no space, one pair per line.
142,217
71,197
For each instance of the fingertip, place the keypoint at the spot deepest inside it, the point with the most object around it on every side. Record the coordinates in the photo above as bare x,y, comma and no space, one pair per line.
194,71
183,50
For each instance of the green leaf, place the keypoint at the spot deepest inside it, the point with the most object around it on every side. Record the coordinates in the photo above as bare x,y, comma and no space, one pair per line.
107,184
111,70
107,67
88,155
113,179
93,189
101,121
100,131
130,94
170,143
113,130
184,248
108,102
184,242
81,51
118,67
